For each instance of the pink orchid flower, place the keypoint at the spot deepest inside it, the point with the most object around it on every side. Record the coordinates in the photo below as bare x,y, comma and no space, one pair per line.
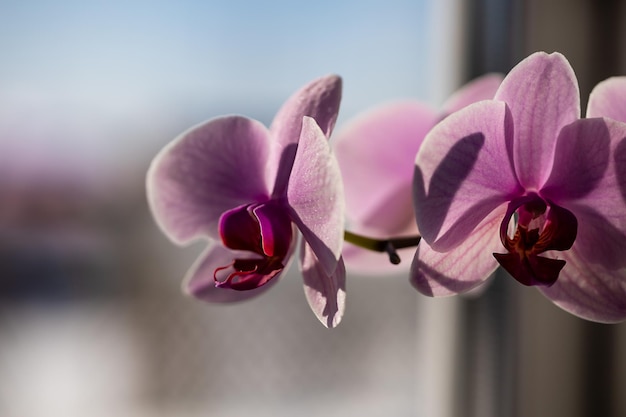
376,153
249,190
608,99
523,182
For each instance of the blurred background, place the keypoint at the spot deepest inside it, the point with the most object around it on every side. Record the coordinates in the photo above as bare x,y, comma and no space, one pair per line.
92,319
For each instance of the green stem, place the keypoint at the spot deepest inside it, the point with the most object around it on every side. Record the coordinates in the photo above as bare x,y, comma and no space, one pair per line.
389,246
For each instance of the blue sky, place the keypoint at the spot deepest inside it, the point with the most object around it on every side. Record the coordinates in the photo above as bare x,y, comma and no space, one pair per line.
61,58
217,46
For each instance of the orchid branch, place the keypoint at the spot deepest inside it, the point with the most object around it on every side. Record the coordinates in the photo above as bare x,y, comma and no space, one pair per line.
389,246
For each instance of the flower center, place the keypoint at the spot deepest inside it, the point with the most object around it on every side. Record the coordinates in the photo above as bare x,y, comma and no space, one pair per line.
263,233
541,226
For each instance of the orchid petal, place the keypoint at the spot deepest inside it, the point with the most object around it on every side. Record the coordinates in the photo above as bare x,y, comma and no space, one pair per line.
481,88
200,282
211,168
463,172
598,241
619,164
542,93
315,194
607,99
391,215
589,290
376,152
320,100
590,171
325,293
464,267
581,159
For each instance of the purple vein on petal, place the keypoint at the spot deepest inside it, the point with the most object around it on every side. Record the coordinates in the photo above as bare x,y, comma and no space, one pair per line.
462,173
464,267
542,94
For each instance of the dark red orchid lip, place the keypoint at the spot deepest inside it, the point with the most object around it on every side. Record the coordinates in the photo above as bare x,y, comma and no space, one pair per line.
541,226
247,274
263,230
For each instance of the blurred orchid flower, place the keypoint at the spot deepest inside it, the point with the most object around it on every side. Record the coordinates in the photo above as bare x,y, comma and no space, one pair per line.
608,99
249,190
376,152
523,182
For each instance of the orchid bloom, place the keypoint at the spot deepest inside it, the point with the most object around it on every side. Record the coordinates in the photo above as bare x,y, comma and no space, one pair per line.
376,153
523,182
249,190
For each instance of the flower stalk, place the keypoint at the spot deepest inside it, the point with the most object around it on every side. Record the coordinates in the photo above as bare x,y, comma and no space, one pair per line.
389,246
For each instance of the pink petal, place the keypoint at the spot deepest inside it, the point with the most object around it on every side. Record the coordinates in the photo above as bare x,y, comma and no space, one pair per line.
581,159
592,285
607,99
315,193
376,153
211,168
464,267
542,93
588,290
599,240
481,88
463,172
200,283
619,163
590,171
326,293
320,100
